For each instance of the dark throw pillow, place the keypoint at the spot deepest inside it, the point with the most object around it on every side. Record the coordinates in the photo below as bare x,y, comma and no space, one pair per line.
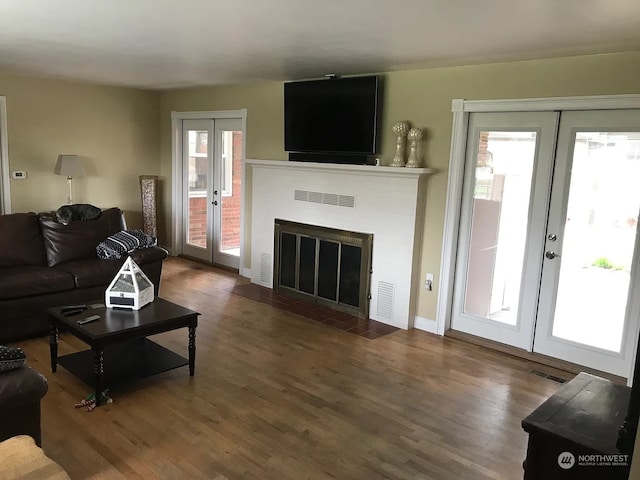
120,244
11,358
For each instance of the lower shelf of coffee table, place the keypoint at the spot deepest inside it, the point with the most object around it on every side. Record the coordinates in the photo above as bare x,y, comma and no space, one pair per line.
124,362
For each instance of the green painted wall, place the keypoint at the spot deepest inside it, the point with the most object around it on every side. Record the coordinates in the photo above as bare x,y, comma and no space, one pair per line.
422,97
123,132
114,130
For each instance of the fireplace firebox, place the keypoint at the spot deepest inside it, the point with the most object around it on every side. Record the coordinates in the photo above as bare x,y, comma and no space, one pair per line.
325,265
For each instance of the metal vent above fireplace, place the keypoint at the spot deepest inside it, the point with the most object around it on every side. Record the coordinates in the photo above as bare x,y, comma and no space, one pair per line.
329,266
325,198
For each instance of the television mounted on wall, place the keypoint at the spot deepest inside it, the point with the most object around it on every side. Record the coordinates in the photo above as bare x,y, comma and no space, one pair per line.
334,117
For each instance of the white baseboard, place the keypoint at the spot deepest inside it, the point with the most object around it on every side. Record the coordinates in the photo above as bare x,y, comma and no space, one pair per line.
390,321
425,324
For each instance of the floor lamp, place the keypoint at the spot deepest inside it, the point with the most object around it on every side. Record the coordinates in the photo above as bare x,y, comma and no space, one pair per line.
69,166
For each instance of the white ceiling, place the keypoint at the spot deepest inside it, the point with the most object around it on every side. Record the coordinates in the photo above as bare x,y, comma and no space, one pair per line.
171,43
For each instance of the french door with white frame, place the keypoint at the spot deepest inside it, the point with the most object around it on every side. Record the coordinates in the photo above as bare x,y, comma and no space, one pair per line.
211,167
546,250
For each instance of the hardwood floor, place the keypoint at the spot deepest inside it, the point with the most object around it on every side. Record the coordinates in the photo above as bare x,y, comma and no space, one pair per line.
279,396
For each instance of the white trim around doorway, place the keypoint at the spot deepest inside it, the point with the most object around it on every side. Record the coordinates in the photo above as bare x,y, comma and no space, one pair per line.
461,109
5,188
176,172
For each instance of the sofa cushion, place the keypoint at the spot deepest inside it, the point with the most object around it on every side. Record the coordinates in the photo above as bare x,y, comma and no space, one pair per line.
17,282
90,272
21,242
79,239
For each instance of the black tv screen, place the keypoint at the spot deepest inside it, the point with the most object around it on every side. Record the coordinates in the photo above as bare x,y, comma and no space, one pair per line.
332,115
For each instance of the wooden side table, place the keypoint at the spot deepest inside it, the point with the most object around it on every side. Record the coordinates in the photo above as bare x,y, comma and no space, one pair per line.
573,434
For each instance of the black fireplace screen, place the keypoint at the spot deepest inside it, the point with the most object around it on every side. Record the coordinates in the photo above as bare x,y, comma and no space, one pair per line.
332,267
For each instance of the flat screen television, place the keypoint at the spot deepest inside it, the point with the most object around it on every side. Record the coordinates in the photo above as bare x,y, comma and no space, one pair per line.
335,116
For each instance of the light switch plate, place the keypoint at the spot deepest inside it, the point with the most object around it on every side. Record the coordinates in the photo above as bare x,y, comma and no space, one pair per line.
19,175
428,283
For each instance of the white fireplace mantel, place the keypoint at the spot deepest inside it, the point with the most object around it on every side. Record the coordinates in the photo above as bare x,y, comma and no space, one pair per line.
385,201
340,168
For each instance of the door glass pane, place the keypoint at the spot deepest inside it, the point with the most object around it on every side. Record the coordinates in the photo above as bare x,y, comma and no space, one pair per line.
198,159
231,186
502,189
599,239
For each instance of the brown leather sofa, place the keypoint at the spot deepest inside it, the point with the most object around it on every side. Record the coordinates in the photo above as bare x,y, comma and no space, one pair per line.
44,264
21,390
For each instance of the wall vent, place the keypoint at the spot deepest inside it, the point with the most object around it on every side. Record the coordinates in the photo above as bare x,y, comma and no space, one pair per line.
266,268
330,199
347,201
315,197
325,198
385,300
301,195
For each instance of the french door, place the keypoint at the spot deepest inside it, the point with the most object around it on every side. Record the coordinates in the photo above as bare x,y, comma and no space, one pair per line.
546,253
212,175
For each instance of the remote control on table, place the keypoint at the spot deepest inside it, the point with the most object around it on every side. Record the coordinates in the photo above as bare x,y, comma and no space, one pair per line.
92,318
72,309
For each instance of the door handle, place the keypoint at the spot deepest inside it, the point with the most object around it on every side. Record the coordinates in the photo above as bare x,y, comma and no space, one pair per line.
550,254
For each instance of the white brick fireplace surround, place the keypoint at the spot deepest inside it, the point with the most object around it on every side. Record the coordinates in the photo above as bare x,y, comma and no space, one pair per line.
385,201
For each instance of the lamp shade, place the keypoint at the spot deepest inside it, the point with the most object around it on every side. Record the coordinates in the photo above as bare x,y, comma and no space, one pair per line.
69,166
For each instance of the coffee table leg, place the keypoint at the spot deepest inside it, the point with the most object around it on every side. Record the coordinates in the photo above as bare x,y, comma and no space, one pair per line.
53,346
98,371
192,350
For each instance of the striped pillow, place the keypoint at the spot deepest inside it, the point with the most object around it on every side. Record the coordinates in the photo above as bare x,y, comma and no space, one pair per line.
120,244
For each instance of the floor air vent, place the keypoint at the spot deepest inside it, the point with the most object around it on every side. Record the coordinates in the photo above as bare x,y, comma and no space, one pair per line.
547,376
385,299
266,267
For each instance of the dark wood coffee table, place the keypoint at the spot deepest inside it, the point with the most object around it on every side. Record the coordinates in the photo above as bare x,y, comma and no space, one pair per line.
120,351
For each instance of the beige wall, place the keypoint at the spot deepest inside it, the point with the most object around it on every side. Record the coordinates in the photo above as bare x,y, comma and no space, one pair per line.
115,130
122,133
424,98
